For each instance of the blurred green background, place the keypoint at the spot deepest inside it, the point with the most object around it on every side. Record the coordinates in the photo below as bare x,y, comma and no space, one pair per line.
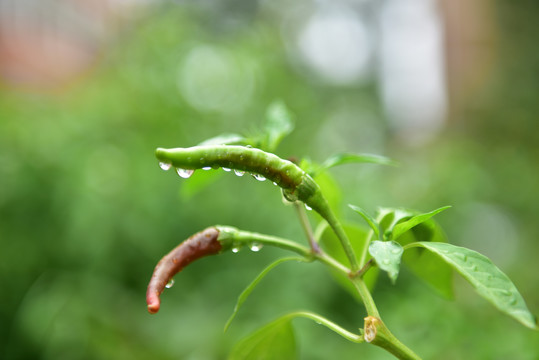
89,89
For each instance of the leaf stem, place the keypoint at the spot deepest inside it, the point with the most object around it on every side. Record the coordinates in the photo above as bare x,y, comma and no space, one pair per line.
365,268
304,221
357,338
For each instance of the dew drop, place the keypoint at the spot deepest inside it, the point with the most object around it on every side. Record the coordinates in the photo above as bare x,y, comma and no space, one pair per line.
226,169
248,146
258,177
206,168
308,207
274,183
255,246
170,284
239,172
185,173
396,251
385,262
513,301
164,165
290,195
236,247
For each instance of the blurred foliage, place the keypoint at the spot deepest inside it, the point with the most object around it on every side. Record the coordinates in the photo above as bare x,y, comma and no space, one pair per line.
85,212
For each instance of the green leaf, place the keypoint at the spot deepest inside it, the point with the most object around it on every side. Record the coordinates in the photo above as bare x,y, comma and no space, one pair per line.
226,139
368,218
279,123
389,217
387,255
487,279
309,166
332,246
275,341
330,188
427,266
245,293
415,220
349,158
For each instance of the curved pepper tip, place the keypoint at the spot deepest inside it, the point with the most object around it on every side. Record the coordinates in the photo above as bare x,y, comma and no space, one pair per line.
154,303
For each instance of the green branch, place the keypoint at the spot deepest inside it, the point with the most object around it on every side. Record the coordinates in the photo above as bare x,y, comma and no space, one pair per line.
230,237
357,338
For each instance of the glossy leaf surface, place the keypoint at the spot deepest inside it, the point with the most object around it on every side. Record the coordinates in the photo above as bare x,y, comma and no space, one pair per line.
424,264
387,255
487,279
402,227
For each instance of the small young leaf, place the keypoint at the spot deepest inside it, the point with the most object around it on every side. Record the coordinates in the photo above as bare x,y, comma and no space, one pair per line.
275,341
487,279
245,293
279,123
424,264
225,139
389,217
349,158
415,220
387,255
368,218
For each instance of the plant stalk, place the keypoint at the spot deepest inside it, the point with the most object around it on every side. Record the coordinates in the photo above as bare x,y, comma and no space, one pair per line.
343,238
329,324
386,340
304,221
383,338
247,237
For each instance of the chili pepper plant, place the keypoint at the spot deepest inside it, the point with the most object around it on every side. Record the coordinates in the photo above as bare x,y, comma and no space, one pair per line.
395,236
